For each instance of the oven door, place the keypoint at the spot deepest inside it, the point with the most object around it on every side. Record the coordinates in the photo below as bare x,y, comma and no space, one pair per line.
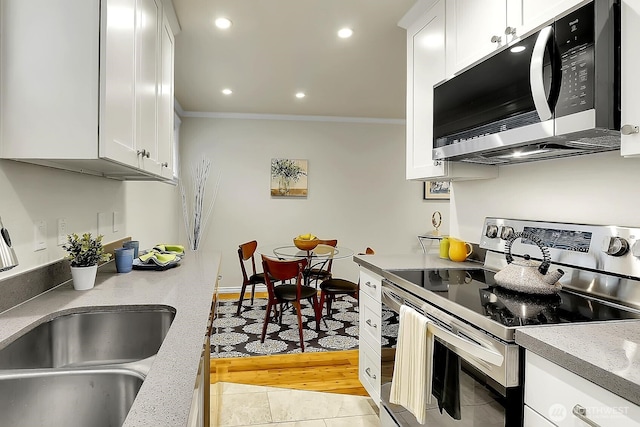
484,402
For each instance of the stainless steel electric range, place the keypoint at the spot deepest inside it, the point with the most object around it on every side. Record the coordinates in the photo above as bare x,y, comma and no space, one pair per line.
601,283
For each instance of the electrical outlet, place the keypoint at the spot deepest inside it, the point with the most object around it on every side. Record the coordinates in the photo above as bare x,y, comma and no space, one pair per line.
116,221
39,235
62,231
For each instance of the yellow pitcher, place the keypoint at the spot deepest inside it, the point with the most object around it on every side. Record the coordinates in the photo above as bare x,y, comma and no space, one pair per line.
459,250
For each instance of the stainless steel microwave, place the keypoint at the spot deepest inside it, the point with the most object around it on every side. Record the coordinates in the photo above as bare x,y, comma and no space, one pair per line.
552,93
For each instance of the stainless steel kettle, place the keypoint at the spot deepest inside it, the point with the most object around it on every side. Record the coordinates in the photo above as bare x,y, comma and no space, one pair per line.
8,258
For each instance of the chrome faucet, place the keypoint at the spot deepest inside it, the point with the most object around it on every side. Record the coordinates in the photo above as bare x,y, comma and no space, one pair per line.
8,258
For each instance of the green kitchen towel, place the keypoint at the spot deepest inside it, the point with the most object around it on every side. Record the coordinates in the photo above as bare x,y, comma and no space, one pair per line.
169,248
158,258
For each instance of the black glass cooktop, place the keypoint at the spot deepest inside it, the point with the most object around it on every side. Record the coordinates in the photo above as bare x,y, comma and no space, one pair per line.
477,291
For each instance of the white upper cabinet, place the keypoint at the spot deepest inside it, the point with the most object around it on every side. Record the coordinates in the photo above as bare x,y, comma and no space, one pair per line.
426,45
630,86
84,86
166,115
475,28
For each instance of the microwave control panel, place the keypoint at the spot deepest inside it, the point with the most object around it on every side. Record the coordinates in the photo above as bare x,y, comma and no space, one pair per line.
574,36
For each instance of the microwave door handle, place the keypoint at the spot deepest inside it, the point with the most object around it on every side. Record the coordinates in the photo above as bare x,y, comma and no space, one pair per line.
468,346
536,74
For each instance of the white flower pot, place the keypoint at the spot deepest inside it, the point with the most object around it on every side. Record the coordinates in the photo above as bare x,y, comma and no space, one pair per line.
84,277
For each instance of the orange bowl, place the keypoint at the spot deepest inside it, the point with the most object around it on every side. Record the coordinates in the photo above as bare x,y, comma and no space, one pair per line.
305,245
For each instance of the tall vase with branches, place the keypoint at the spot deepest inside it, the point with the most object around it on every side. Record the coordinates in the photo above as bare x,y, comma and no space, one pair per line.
197,203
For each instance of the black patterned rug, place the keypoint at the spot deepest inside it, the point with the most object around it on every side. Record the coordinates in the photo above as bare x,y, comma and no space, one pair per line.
239,336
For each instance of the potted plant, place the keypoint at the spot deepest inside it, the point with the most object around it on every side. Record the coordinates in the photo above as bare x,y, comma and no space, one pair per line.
84,253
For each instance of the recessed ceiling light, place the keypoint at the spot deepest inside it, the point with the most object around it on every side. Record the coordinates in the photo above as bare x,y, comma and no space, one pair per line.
345,33
227,91
300,95
517,49
223,23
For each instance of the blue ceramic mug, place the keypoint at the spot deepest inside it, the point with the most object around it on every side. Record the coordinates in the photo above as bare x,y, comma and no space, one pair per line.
132,244
124,259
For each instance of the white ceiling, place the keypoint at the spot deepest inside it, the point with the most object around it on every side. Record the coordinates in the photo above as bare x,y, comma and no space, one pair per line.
276,48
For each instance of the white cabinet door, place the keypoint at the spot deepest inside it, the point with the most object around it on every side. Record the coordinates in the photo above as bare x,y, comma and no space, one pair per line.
165,102
471,25
426,45
425,67
537,12
148,21
630,86
118,78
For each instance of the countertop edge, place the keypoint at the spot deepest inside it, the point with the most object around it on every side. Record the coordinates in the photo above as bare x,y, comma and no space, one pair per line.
596,374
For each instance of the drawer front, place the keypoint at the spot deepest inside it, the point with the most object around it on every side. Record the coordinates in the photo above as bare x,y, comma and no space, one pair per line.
555,393
370,321
369,371
533,419
371,284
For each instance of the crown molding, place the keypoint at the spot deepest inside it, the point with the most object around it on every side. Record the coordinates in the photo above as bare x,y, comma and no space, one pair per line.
286,117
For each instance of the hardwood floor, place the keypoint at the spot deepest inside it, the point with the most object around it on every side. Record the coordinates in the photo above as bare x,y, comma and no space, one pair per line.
331,372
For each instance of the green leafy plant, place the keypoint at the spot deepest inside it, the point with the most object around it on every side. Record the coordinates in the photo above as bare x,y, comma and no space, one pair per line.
85,251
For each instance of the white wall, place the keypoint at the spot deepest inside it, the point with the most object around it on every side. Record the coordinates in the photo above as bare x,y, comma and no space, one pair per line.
357,188
593,189
30,193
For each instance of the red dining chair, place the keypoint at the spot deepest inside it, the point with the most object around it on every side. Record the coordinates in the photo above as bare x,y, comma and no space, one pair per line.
331,288
294,293
246,252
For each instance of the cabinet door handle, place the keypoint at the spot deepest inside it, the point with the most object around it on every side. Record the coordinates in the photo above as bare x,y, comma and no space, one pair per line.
165,164
370,323
368,372
144,153
496,39
580,412
629,129
370,285
510,31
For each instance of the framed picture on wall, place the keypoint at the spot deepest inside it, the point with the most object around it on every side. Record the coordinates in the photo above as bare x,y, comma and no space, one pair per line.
438,190
289,177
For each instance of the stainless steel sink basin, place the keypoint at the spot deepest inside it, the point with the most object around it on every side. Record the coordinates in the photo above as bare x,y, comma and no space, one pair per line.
90,338
71,398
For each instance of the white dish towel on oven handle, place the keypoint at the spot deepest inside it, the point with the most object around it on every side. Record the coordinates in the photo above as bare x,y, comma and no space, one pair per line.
412,371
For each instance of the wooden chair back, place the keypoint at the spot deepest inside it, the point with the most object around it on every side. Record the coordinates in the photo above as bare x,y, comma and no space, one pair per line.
245,252
279,270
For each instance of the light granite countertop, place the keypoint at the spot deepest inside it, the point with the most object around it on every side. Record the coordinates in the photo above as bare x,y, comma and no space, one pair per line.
379,263
606,353
165,396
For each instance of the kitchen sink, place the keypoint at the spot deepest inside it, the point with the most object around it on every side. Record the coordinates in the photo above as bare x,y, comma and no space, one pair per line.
70,398
91,338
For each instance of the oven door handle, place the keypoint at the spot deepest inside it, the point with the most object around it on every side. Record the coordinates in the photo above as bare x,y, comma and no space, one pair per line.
477,350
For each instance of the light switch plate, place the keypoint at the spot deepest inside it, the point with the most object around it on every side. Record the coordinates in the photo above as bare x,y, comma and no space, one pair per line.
62,231
39,235
116,221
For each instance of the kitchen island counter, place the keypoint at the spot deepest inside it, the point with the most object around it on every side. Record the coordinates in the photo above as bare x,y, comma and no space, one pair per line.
166,394
607,354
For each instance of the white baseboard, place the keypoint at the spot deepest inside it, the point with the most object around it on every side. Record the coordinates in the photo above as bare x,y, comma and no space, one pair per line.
237,289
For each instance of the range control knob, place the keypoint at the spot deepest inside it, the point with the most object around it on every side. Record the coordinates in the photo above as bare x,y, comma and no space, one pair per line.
492,231
506,232
635,248
615,246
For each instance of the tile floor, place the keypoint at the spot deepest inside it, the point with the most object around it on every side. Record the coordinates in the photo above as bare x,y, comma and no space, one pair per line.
236,405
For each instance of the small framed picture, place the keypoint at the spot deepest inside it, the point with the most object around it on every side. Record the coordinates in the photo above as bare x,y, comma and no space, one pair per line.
438,190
